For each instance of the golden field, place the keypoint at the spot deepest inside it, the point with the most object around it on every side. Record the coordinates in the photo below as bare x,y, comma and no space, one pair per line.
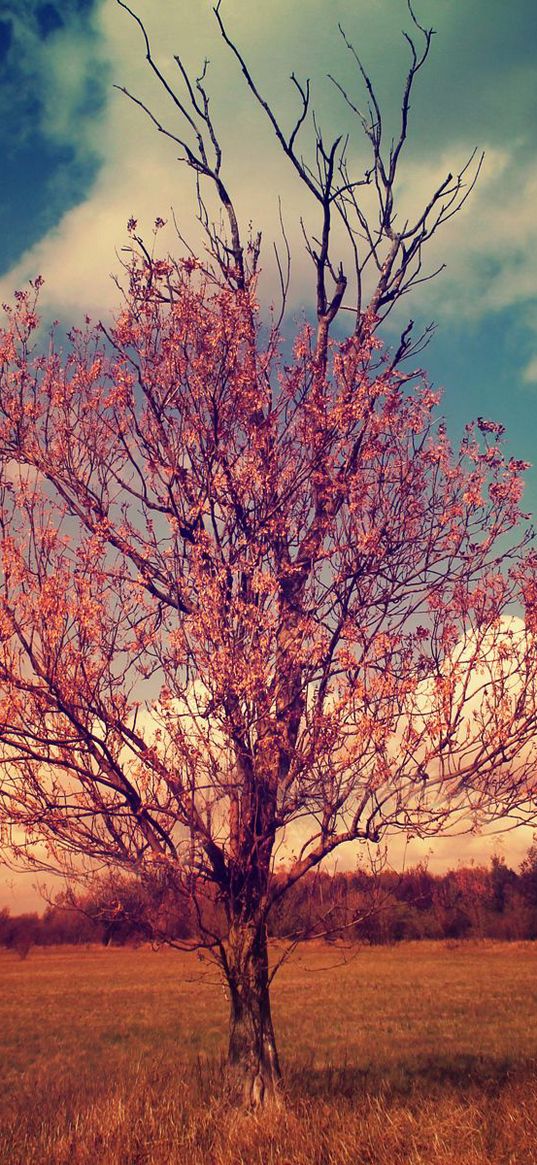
420,1054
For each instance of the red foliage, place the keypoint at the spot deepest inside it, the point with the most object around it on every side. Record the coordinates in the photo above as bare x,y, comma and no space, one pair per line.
242,595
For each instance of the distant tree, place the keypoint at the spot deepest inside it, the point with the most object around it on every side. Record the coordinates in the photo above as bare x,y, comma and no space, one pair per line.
5,926
127,909
63,923
528,890
528,873
502,880
19,932
253,606
116,905
416,885
452,920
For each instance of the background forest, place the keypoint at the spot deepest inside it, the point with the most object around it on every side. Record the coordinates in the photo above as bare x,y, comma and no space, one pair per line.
469,902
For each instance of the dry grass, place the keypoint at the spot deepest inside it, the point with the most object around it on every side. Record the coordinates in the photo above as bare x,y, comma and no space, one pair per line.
416,1055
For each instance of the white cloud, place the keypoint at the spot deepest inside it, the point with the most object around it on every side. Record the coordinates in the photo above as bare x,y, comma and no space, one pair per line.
492,247
530,372
57,74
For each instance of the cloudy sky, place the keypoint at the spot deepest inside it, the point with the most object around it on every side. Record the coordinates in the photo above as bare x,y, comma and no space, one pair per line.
78,160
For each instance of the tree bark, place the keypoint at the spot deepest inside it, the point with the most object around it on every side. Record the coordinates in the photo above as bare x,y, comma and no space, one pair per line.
253,1064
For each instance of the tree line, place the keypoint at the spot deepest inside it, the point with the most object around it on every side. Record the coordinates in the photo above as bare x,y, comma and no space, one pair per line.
475,901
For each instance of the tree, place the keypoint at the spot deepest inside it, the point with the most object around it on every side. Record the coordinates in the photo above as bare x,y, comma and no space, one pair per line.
254,605
528,874
126,909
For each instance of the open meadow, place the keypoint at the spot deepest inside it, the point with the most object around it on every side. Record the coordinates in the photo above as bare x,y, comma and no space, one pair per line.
420,1054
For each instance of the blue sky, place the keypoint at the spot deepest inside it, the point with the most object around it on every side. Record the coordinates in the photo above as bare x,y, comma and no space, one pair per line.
78,160
49,93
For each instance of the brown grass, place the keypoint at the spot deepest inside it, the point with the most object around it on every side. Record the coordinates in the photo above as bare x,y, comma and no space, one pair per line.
415,1055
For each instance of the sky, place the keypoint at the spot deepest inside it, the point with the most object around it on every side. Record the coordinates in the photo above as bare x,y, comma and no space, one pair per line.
78,159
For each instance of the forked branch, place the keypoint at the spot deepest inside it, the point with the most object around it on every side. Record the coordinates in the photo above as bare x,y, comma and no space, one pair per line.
203,155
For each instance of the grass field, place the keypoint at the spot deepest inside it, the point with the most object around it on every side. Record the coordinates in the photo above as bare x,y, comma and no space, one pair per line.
416,1055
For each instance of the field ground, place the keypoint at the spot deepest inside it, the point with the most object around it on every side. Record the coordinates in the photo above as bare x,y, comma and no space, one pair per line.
421,1054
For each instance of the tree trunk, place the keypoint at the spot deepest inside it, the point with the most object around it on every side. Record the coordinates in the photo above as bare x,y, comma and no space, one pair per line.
252,1057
